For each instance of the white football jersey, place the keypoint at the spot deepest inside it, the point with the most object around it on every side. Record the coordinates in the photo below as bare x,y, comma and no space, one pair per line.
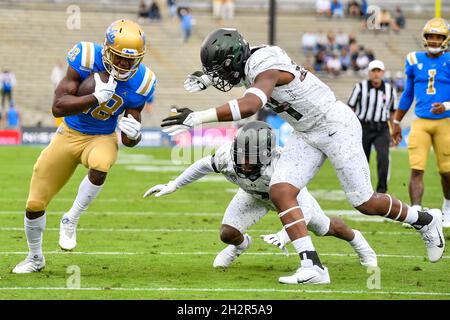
302,101
259,188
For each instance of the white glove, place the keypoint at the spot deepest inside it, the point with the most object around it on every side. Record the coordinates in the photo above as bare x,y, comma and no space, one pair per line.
162,189
131,127
196,82
104,90
279,239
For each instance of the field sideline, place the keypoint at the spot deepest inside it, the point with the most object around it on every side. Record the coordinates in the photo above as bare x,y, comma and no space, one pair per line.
135,248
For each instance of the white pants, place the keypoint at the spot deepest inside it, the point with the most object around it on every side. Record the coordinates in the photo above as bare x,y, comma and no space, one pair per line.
338,137
245,210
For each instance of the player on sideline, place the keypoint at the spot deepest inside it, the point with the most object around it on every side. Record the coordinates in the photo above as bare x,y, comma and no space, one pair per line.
249,162
87,135
428,80
323,128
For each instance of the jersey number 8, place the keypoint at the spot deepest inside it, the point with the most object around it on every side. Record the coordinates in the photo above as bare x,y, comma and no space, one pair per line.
103,111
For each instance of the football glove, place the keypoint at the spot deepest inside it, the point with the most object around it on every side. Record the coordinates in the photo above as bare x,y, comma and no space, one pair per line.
196,82
182,121
104,90
131,127
161,189
279,239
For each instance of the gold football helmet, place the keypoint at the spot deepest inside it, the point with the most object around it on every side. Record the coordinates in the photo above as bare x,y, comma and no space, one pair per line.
437,26
123,49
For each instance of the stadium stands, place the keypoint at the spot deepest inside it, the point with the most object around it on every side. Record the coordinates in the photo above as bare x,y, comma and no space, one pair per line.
33,39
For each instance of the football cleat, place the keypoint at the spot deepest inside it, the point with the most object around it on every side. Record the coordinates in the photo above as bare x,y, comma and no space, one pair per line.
226,257
29,265
433,236
67,234
307,274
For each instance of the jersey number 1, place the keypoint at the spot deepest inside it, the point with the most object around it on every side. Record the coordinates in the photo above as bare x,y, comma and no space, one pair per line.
431,76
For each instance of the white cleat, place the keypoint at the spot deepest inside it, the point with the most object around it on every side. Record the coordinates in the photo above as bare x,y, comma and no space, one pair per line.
30,265
67,234
226,257
367,256
311,274
446,219
433,236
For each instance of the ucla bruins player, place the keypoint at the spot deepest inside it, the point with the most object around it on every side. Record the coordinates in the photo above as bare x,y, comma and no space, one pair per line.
428,80
87,135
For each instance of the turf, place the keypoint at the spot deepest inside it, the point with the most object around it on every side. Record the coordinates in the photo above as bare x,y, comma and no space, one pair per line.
135,248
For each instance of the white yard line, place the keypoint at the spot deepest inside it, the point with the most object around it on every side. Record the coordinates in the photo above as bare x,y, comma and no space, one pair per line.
196,253
261,231
256,290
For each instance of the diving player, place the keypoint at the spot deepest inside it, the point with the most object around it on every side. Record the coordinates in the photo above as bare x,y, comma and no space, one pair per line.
88,135
323,128
428,80
256,141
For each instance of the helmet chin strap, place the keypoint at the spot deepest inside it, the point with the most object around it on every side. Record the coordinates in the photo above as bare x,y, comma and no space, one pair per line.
117,75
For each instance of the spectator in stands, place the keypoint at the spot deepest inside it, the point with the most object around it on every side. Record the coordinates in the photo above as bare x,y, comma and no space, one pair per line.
337,9
58,73
217,9
186,21
142,12
399,82
172,8
400,19
323,8
7,83
333,65
362,61
353,9
364,14
331,42
345,59
342,39
227,9
154,13
12,118
386,22
321,40
319,61
309,43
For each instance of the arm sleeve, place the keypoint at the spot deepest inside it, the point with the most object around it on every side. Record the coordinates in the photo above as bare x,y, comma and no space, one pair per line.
354,98
196,171
407,95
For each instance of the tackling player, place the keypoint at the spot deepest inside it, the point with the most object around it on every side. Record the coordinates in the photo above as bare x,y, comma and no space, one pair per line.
88,135
256,141
323,128
428,80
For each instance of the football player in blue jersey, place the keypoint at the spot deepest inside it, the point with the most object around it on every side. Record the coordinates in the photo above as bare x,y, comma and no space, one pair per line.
87,136
428,80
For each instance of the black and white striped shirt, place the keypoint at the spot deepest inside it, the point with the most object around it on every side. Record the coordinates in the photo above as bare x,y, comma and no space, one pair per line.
373,104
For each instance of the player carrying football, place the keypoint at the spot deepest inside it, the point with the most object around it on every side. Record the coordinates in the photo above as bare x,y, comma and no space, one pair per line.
256,141
87,135
428,80
323,128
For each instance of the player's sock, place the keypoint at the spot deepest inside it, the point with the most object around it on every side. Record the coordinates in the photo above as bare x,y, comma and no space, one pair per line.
446,206
305,249
244,244
357,240
87,192
34,228
412,215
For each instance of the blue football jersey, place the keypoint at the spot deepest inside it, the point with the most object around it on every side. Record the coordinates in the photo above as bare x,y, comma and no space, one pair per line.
428,80
86,58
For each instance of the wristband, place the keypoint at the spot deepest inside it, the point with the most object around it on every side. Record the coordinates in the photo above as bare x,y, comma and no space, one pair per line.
235,112
209,115
446,105
395,121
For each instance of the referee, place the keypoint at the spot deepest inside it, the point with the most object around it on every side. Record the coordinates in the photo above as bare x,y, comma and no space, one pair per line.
373,101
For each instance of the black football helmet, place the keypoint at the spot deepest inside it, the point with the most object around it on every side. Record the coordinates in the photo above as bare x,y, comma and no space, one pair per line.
252,149
224,53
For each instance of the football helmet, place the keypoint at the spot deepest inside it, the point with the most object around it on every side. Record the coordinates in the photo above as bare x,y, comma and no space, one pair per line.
252,149
224,53
437,26
123,39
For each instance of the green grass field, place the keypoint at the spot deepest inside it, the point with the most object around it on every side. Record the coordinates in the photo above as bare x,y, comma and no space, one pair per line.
135,248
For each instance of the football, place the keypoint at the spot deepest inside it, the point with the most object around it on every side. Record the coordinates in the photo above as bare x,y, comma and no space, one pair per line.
88,85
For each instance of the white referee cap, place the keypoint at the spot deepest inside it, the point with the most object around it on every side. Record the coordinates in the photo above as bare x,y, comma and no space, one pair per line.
376,64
